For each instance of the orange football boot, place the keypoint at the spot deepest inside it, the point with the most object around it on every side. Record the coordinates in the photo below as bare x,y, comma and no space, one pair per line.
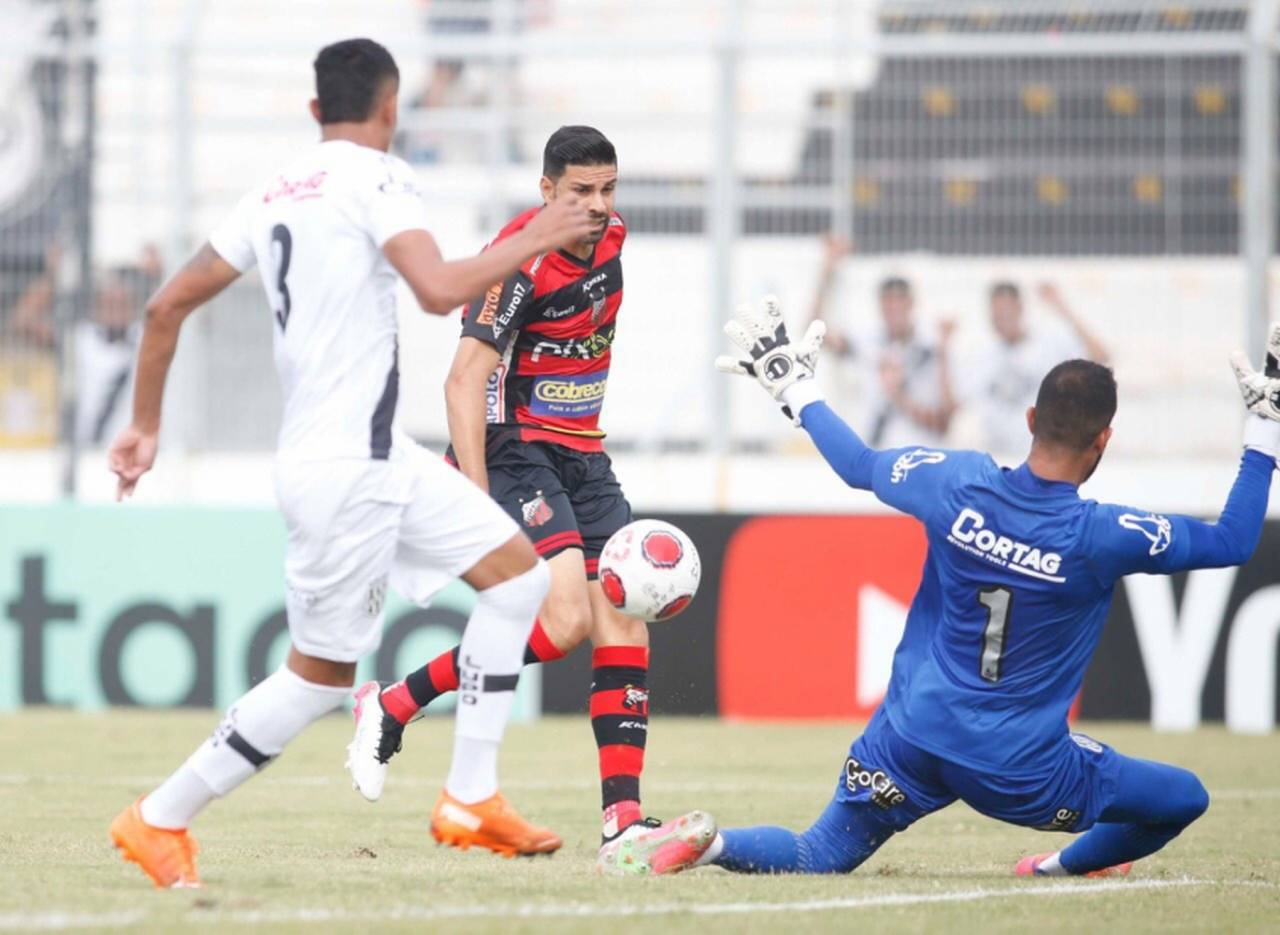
1029,867
168,857
491,823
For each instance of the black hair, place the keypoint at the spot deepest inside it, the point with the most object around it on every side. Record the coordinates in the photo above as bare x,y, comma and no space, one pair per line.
576,146
894,284
1077,400
349,77
1005,287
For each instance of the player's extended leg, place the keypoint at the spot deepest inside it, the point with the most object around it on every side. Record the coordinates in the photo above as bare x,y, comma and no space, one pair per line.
1153,803
619,708
153,831
885,786
844,835
531,493
382,712
342,537
405,698
511,583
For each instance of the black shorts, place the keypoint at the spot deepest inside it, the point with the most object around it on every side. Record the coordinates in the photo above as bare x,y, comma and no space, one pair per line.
562,498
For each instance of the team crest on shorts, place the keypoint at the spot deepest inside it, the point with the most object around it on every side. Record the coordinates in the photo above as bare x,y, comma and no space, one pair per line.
536,512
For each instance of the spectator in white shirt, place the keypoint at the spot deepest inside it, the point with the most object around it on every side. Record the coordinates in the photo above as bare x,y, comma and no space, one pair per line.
1003,379
905,386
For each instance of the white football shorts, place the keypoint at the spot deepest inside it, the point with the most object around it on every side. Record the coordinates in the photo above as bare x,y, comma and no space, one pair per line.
357,525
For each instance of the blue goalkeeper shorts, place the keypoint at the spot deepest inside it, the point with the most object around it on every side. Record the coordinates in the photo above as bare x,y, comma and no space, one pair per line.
1065,793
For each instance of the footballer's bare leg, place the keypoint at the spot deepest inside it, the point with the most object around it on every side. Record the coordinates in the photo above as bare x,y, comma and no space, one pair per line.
152,832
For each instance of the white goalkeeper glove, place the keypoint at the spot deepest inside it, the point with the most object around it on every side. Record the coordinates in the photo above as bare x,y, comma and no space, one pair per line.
784,369
1261,392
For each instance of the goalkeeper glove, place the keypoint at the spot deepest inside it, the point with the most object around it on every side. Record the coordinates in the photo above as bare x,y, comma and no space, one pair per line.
784,369
1261,392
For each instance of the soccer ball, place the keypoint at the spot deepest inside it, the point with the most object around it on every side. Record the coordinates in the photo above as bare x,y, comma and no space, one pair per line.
650,569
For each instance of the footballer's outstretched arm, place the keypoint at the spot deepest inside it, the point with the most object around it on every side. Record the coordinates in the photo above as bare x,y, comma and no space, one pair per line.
464,394
442,285
1128,541
842,448
205,275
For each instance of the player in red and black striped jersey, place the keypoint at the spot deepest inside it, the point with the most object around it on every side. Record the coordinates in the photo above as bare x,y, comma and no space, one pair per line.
524,398
551,326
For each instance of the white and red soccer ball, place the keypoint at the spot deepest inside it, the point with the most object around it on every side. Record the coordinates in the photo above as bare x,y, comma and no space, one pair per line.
650,569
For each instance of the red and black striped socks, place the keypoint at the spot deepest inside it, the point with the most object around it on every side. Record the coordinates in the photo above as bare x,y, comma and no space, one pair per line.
421,687
620,721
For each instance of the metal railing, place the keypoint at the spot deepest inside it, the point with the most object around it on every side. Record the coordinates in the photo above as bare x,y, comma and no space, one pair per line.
1029,140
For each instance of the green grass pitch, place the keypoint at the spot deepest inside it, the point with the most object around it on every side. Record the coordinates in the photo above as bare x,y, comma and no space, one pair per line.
297,850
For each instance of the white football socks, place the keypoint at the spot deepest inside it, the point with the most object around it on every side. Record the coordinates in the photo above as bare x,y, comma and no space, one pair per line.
1052,867
712,852
177,800
489,664
254,731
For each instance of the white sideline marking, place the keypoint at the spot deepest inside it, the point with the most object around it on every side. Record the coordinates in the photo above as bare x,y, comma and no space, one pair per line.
61,920
528,785
53,921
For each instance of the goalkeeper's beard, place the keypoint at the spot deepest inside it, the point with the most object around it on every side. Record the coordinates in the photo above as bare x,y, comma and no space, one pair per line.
1089,473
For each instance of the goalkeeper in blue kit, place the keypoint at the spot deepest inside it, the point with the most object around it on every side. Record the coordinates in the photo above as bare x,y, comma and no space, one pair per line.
1015,590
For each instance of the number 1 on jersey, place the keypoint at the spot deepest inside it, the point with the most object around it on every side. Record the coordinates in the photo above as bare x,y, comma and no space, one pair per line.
280,235
997,600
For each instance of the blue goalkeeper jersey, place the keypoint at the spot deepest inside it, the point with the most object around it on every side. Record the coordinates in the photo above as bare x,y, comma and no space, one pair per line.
1015,589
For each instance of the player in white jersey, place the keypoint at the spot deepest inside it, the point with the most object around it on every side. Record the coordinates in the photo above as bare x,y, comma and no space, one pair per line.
363,504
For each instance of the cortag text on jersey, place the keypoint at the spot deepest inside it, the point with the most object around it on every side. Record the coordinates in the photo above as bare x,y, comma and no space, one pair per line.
969,533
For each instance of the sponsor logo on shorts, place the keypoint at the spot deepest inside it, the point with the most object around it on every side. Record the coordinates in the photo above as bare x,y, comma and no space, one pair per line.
1064,819
305,599
536,512
884,791
1157,529
572,396
376,597
912,460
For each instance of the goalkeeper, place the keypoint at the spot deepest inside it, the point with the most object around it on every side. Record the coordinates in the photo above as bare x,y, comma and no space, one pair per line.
1015,590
